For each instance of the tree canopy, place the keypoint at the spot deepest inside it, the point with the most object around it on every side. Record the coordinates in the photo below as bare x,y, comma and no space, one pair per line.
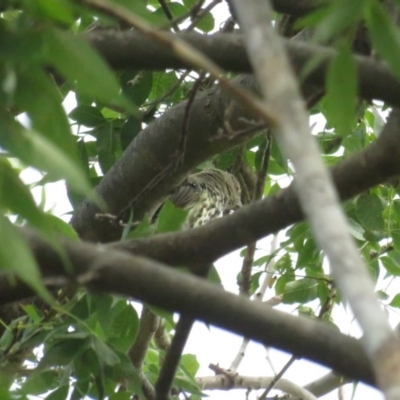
161,89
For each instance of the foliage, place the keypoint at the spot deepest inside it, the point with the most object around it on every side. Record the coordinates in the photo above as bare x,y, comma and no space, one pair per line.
79,342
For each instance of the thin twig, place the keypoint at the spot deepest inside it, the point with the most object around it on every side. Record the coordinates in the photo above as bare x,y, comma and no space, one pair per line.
277,378
172,358
325,308
199,15
160,99
270,267
169,15
193,11
185,124
257,195
174,353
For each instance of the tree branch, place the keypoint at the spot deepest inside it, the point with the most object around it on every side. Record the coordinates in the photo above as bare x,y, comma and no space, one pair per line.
221,382
370,167
319,200
149,156
133,50
106,270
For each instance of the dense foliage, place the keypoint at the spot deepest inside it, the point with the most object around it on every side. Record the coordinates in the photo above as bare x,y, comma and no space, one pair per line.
68,343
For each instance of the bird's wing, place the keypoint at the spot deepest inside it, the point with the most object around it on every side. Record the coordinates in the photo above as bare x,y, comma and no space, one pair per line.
186,194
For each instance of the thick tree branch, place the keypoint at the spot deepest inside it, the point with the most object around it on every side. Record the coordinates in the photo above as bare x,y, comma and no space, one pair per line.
104,270
133,50
297,8
370,167
146,172
146,163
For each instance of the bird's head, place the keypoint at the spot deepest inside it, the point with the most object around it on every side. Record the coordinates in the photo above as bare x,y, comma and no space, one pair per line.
221,184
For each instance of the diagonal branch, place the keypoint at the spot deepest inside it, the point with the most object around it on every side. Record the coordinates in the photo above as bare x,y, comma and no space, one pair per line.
370,167
313,185
149,155
105,270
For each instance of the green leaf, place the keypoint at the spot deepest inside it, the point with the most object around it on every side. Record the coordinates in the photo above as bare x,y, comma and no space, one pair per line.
63,351
369,210
59,394
374,269
37,151
329,142
306,311
396,238
40,383
308,254
47,115
384,34
106,145
353,142
213,276
187,384
80,63
281,282
300,291
382,295
336,18
57,10
341,91
140,9
356,230
264,260
176,9
5,394
323,292
137,85
225,160
86,365
144,229
59,227
32,313
396,206
279,159
395,301
15,196
391,265
104,352
190,3
284,264
255,281
190,363
87,115
167,315
83,156
130,130
16,257
163,82
125,327
170,218
206,23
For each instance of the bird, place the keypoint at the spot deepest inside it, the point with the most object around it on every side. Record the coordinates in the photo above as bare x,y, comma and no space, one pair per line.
206,195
